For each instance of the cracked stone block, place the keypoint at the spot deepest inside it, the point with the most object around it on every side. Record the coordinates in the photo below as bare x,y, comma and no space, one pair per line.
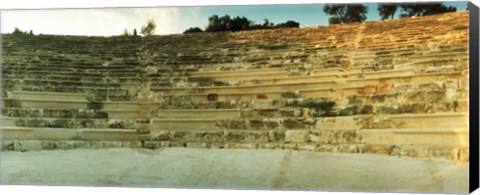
270,145
96,144
27,145
240,146
263,105
293,124
65,145
151,144
463,155
48,145
307,147
77,144
196,145
296,136
348,148
7,145
112,144
327,148
276,136
378,149
161,136
214,136
290,146
131,144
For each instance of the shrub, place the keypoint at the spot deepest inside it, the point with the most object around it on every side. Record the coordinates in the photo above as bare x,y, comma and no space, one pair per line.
193,30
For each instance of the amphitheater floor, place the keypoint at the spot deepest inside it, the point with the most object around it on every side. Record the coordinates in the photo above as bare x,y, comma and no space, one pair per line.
232,169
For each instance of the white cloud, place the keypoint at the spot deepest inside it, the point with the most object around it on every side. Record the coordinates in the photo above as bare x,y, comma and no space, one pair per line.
104,22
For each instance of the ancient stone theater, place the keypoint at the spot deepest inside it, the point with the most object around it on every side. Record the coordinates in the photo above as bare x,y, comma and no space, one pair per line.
397,87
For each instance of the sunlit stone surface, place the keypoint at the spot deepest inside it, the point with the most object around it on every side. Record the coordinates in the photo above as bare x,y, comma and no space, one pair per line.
356,93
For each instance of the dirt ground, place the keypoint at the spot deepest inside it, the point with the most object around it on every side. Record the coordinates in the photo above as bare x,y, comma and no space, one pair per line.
232,169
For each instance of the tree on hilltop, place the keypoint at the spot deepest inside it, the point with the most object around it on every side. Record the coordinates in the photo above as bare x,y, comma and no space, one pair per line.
424,9
343,14
149,29
193,30
288,24
387,11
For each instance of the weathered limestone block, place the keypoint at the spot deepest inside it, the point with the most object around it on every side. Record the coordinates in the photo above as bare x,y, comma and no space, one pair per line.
327,148
335,136
151,144
307,146
27,145
213,137
7,145
290,146
65,145
245,136
463,155
291,123
121,124
48,145
160,135
112,144
445,153
348,148
241,146
263,105
270,146
233,124
131,144
337,123
376,122
276,136
11,103
89,123
196,145
378,149
76,144
296,136
96,144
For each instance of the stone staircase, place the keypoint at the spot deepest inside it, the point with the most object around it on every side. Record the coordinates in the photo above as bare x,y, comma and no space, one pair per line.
396,87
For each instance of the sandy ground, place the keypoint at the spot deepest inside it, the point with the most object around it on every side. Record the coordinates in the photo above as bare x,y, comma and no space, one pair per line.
232,169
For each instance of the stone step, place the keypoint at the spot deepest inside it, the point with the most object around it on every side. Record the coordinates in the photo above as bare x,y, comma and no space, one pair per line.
119,105
402,79
184,124
200,113
39,103
245,89
339,74
235,72
68,122
450,137
53,113
47,95
53,83
21,133
440,120
237,78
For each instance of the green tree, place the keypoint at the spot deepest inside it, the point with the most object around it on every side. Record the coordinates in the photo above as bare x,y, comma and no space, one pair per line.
17,31
387,11
288,24
424,9
193,30
342,14
149,29
240,23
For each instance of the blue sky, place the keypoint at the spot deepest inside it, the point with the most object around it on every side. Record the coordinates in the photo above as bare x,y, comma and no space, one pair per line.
170,20
307,15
